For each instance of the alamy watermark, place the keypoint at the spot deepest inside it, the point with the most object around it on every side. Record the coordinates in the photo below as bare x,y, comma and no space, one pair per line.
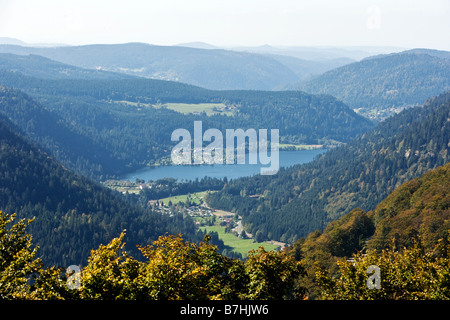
374,280
74,280
187,153
373,21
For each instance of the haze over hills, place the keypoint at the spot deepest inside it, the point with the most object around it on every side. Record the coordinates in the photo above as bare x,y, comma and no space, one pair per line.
14,41
305,62
212,69
321,53
201,64
197,45
40,67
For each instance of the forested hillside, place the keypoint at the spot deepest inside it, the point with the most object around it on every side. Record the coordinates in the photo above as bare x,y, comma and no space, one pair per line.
379,86
305,198
56,135
414,216
418,209
130,124
72,214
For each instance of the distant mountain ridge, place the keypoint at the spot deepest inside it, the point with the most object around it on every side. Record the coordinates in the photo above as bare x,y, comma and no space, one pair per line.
431,52
40,67
13,41
380,86
211,69
205,65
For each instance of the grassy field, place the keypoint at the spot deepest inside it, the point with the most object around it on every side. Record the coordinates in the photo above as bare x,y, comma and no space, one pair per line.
208,108
195,198
243,246
185,108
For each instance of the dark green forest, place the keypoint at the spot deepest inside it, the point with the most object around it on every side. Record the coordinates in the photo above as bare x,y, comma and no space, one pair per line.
72,213
40,67
305,198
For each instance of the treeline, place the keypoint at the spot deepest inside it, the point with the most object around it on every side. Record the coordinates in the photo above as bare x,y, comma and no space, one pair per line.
93,131
307,197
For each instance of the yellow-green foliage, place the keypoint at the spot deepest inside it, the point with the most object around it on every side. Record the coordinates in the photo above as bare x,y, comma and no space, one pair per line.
418,208
417,211
17,258
407,274
173,269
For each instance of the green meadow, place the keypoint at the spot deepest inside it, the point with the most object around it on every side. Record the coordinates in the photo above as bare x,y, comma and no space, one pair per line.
209,108
242,246
186,108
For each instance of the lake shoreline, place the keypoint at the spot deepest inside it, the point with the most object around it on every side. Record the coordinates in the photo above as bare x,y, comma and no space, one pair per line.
231,171
282,147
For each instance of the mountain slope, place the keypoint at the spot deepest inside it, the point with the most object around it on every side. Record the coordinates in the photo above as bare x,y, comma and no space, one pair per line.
212,69
56,135
417,210
72,214
380,85
305,198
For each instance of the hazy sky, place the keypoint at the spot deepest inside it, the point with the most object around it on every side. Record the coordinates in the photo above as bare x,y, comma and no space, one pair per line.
401,23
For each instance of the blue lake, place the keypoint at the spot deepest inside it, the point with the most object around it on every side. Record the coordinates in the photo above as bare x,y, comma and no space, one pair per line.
231,171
